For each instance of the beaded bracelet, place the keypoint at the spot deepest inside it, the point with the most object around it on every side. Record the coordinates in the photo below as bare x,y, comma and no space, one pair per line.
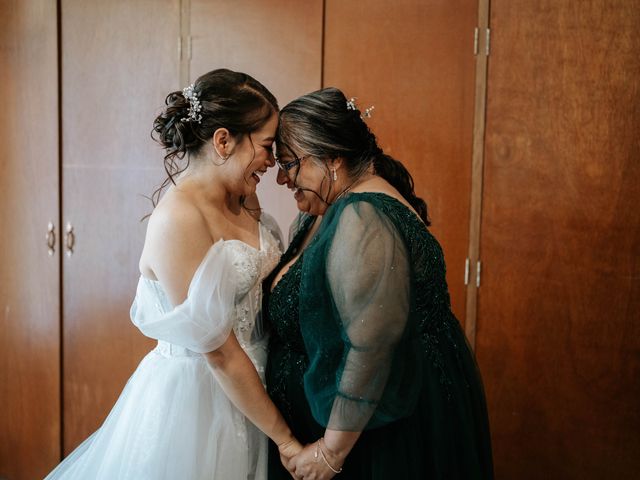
319,449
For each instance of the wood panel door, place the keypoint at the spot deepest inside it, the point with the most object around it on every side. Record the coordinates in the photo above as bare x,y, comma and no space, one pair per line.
279,43
119,60
558,336
414,62
29,276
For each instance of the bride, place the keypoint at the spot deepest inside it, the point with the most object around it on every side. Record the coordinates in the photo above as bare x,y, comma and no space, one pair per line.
195,405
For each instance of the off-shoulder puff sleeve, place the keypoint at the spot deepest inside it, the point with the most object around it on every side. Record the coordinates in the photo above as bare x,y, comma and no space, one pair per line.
203,322
372,352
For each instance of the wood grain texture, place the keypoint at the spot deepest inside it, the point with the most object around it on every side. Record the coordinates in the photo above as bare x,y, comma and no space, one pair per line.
29,277
277,42
558,333
477,168
120,59
414,61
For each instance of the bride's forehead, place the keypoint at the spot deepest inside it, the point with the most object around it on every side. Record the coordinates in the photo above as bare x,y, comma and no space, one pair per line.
269,127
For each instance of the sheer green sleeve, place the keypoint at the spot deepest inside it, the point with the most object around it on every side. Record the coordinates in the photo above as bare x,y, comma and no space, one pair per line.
364,363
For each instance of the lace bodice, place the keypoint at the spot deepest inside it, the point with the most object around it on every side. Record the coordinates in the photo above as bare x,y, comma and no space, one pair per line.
225,294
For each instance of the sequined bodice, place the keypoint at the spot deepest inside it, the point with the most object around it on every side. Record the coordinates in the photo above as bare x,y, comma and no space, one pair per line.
282,304
253,266
283,309
288,358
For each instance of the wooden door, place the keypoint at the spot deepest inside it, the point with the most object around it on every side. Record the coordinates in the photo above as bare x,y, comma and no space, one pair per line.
29,276
119,60
278,42
413,60
558,336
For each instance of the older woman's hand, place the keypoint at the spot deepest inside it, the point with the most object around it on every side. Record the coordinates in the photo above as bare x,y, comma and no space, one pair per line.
309,464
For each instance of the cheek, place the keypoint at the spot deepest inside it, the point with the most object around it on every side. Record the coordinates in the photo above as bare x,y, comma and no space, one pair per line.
236,174
260,161
251,162
309,180
258,157
240,171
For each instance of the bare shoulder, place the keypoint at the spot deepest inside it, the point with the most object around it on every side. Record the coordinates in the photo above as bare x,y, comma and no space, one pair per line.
177,219
177,233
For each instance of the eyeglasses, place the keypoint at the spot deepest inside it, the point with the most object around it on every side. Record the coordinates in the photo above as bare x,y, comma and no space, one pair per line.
285,167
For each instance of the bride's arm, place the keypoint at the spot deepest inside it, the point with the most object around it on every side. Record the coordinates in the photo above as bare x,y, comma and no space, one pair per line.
177,240
238,378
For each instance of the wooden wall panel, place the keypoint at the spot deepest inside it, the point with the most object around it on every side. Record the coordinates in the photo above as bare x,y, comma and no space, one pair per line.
120,59
278,42
414,61
558,333
29,276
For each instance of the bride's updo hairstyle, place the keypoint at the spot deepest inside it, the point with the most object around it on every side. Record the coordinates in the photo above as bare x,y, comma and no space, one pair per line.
219,99
324,125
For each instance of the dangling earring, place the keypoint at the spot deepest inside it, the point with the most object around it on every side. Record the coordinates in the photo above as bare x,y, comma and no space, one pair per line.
335,175
223,158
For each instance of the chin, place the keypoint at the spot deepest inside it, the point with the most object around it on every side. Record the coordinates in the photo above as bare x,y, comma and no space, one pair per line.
249,190
315,210
303,206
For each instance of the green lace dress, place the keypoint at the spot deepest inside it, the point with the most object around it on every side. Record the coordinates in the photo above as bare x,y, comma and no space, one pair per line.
363,339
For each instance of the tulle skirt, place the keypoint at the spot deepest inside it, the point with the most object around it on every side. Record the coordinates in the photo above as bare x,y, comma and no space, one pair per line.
172,421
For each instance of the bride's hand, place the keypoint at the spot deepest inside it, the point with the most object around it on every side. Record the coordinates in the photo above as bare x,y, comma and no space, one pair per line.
288,450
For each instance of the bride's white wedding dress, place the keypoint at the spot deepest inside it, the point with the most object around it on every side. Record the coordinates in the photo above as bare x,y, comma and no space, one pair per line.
172,420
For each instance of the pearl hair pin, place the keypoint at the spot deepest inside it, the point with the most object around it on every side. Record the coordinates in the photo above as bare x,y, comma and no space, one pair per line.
195,106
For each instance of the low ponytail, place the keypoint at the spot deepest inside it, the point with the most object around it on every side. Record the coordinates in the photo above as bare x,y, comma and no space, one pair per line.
394,172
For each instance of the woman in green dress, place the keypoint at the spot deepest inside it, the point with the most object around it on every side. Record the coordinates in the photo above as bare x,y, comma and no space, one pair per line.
367,363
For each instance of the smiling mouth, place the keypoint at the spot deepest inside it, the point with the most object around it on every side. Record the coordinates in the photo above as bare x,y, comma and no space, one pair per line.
257,174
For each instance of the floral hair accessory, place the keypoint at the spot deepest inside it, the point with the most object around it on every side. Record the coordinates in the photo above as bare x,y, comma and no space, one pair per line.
195,106
351,104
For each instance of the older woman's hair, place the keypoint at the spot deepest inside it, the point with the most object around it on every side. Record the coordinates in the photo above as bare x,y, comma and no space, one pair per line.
321,125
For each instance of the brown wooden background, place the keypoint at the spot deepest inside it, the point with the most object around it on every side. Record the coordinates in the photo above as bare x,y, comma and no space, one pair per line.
118,60
414,62
547,200
30,423
558,336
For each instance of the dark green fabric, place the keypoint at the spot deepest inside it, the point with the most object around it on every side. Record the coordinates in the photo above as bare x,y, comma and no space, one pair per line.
363,338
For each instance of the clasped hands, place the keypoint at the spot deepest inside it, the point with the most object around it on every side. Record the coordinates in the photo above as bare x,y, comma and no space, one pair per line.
307,463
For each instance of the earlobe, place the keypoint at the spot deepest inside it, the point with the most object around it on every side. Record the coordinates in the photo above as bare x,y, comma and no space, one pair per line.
335,163
223,143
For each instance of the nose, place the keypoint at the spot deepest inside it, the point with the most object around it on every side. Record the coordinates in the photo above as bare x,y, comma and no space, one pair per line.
271,161
282,177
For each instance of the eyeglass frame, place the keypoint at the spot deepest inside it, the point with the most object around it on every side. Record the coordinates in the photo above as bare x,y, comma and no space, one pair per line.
285,167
